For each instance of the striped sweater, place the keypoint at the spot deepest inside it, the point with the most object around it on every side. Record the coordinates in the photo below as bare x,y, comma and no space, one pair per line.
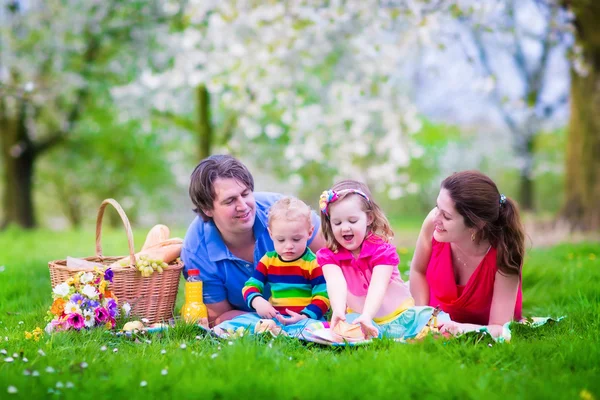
297,285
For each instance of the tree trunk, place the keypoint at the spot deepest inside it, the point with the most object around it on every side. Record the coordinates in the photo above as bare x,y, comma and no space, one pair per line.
205,127
526,192
526,185
582,177
18,157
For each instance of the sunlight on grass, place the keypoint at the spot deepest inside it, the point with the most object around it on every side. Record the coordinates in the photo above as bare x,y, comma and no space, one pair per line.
559,360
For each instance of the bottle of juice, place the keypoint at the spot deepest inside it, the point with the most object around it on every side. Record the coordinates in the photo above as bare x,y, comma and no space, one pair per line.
194,310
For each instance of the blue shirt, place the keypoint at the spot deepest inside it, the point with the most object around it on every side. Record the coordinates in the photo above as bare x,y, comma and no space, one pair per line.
222,273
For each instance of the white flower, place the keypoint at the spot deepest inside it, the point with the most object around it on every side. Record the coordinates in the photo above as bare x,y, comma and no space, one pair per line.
2,268
61,290
70,385
35,373
49,370
90,292
41,352
164,372
49,328
143,383
12,390
59,385
25,359
86,278
9,359
183,345
83,365
89,318
126,307
3,352
103,348
215,355
72,308
163,351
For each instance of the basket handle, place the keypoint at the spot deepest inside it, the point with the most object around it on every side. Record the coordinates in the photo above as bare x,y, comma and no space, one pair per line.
125,220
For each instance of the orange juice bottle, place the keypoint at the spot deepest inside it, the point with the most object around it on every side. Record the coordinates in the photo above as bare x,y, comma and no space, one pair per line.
193,310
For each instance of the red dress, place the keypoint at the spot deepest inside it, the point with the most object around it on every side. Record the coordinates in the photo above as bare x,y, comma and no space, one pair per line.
469,303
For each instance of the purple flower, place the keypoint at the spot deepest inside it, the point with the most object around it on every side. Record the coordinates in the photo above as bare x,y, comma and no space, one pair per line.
101,315
108,275
78,299
76,321
90,304
112,307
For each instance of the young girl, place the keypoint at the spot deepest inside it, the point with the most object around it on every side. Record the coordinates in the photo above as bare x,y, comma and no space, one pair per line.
360,266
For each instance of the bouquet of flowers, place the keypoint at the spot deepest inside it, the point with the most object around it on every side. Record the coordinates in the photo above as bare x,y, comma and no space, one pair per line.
84,301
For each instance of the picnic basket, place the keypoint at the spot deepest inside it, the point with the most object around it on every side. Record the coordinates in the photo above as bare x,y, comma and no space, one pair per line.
150,297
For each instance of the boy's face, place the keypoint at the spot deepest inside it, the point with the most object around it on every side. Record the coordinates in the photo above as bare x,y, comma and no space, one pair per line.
290,237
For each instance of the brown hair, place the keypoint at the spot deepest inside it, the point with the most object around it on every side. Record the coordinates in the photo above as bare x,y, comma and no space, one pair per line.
289,208
477,199
379,227
202,189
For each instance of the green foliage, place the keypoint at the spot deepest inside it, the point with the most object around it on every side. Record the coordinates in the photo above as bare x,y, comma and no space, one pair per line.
106,158
554,361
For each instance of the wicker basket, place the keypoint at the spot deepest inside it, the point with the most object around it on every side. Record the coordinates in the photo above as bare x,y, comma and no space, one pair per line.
152,297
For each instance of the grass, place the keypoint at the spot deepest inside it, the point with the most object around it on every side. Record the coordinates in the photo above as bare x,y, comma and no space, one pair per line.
558,361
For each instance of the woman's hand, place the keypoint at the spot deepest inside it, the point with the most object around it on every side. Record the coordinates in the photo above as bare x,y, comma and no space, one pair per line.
264,308
292,319
453,328
336,317
367,327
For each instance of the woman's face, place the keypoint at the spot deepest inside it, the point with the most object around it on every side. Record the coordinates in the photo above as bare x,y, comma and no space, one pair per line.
449,224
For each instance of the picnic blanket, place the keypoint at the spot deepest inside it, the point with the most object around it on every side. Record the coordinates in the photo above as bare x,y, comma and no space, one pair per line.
425,323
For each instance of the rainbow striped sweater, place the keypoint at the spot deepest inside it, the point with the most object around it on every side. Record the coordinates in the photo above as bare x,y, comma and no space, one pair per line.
297,285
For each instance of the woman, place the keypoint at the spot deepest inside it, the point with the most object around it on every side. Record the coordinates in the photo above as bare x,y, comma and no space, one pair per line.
469,255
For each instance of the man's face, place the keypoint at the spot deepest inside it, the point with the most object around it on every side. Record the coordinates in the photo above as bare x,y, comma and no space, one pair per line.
234,207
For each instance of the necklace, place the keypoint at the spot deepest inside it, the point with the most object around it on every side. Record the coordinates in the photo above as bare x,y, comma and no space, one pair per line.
464,255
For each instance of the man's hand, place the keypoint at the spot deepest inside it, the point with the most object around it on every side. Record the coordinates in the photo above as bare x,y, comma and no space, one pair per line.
292,319
263,307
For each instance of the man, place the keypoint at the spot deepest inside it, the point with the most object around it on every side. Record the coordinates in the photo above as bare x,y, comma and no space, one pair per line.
229,236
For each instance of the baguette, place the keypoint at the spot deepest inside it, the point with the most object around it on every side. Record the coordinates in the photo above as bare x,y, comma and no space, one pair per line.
158,233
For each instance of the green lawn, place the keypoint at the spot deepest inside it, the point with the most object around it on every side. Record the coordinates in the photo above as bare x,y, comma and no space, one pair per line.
560,361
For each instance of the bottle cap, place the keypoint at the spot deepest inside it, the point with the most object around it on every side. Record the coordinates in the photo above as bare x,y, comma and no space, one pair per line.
193,272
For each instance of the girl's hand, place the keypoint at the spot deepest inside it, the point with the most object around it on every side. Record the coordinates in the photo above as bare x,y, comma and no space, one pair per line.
367,327
336,318
264,308
292,319
453,328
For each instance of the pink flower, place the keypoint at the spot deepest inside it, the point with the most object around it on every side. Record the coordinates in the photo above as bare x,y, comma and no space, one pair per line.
76,321
102,315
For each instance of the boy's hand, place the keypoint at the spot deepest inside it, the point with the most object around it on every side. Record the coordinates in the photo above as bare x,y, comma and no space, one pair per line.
263,307
292,319
367,327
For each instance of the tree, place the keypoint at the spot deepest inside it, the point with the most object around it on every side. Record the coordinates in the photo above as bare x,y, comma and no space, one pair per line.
309,91
497,40
582,178
54,57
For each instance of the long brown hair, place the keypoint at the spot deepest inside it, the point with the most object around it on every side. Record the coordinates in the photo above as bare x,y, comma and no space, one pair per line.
495,218
379,227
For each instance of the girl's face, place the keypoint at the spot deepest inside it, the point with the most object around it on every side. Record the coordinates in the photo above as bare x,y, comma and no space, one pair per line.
349,222
449,224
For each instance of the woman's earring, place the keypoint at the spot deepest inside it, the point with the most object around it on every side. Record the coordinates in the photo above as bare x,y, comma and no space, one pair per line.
473,237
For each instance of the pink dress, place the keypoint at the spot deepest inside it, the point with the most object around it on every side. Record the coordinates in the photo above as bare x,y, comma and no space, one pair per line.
468,303
358,271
